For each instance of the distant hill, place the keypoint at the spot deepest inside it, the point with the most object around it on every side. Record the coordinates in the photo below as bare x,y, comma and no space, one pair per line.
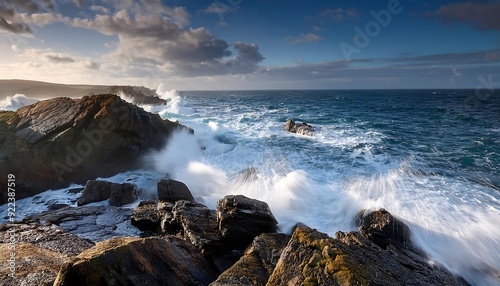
39,89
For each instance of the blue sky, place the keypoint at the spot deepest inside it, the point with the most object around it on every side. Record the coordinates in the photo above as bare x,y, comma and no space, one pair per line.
253,44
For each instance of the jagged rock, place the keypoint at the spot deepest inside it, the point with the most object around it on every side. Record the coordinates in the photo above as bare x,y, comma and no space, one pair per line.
118,194
172,191
73,140
138,95
258,262
313,258
145,216
167,224
135,261
199,225
383,228
299,128
241,219
39,252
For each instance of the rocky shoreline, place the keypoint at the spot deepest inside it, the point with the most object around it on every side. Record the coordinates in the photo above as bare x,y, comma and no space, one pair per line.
183,242
179,241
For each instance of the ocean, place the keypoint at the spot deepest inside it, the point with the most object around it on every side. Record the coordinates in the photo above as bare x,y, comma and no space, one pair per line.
431,158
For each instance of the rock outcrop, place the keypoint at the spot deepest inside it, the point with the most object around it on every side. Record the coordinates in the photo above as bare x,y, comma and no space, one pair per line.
383,228
240,219
172,191
299,128
40,251
136,261
258,262
117,194
55,142
138,95
313,258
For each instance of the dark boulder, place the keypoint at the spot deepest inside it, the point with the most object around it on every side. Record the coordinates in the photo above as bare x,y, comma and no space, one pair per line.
118,194
59,141
383,228
172,191
241,219
136,261
299,128
258,262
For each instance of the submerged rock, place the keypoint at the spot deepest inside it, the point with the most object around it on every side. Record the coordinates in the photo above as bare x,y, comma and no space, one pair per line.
136,261
40,251
241,219
299,128
59,141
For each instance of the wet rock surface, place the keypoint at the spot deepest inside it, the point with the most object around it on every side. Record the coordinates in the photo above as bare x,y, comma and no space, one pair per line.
299,128
117,194
96,223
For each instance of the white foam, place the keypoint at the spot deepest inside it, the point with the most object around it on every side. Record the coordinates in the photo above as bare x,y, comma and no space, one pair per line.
15,102
175,103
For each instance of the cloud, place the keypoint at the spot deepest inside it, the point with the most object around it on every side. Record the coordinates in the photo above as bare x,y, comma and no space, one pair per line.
304,38
100,9
339,14
59,58
12,22
218,8
464,58
456,73
484,16
158,40
91,65
40,19
17,16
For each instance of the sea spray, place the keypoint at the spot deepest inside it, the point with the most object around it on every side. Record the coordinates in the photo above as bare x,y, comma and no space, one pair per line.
452,233
15,102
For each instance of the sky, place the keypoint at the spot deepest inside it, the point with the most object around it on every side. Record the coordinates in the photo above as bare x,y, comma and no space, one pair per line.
253,44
